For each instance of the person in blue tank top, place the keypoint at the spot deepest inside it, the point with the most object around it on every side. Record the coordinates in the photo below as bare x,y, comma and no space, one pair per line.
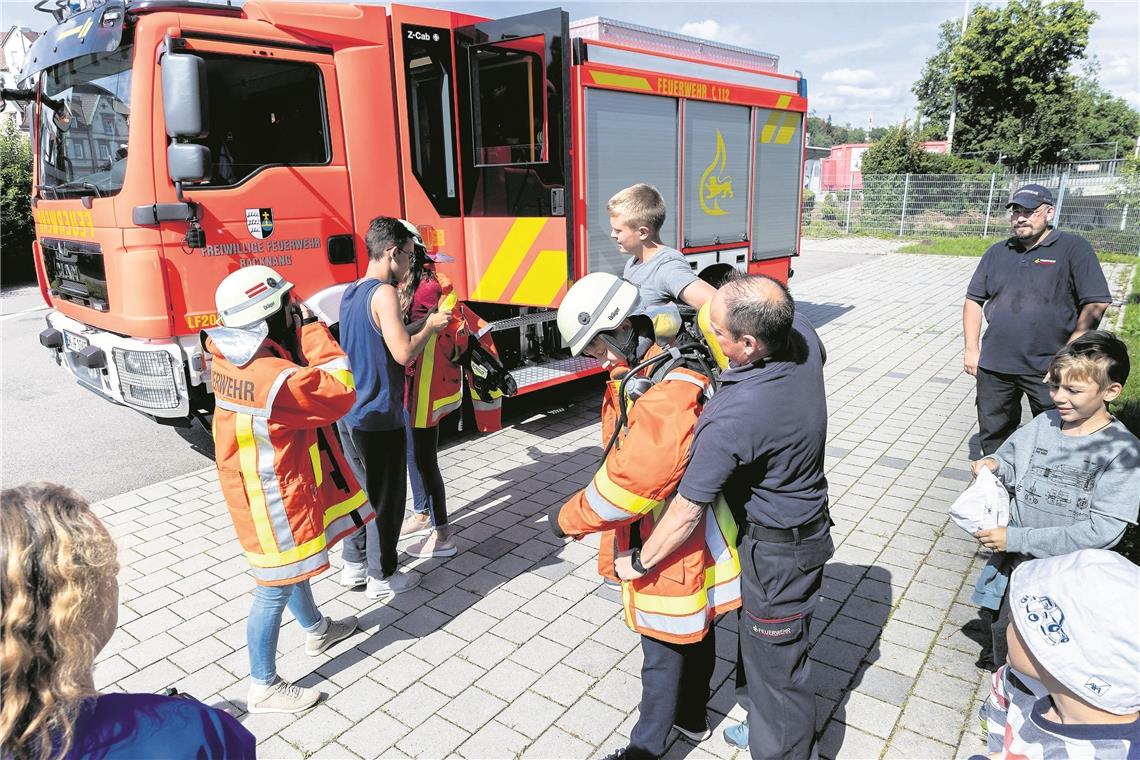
61,604
378,345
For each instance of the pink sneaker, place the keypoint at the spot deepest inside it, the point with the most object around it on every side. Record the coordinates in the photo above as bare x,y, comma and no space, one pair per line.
432,546
414,525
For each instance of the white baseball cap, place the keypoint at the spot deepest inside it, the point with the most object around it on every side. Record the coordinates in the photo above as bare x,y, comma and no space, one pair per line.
1079,614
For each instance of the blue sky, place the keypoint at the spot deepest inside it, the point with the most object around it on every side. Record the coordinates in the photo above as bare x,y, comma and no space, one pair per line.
860,58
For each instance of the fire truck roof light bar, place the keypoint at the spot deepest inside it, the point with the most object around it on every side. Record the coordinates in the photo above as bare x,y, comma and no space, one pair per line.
672,43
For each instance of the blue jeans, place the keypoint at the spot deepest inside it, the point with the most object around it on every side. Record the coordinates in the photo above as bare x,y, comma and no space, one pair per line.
264,624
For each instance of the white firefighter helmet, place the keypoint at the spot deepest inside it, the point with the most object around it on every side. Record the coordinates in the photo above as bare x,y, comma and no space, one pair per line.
250,295
415,233
597,302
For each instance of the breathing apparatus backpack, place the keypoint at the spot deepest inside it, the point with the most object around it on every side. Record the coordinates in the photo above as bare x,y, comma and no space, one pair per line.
693,348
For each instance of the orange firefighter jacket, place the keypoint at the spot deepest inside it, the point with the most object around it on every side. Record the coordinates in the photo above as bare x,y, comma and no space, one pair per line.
435,388
678,600
289,489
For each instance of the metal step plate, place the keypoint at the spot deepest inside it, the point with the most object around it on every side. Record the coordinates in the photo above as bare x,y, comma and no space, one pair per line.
535,376
533,318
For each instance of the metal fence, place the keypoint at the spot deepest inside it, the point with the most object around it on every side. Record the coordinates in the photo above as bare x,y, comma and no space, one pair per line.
959,205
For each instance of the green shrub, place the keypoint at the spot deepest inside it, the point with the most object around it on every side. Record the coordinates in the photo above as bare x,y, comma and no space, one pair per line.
16,228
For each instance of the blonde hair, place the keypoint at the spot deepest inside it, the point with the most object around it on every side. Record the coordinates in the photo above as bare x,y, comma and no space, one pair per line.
1068,367
1097,356
639,205
56,558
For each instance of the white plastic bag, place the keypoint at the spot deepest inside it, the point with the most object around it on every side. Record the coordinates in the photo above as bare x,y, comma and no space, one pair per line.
985,504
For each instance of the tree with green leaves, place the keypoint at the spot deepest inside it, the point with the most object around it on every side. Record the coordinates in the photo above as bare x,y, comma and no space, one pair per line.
16,227
1017,93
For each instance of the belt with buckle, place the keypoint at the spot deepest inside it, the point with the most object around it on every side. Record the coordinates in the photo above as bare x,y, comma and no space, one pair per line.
788,535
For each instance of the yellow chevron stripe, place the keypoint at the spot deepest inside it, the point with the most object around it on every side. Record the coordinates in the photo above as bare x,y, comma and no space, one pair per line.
546,277
788,128
621,80
508,258
247,456
770,126
783,101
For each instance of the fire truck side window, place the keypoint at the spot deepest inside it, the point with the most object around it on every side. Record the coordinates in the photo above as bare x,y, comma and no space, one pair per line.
509,107
431,120
264,113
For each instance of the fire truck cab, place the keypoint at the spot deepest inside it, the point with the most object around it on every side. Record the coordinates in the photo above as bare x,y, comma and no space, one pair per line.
176,141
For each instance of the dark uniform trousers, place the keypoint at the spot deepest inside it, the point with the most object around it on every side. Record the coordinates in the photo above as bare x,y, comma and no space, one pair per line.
780,584
675,682
999,404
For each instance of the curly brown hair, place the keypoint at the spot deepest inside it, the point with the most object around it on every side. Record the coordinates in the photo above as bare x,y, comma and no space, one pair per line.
57,560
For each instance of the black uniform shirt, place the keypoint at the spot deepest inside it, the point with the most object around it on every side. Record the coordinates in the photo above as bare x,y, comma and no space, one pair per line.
760,440
1032,298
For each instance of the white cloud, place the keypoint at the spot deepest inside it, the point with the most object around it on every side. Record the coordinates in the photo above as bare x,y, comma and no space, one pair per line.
823,55
710,29
866,94
850,76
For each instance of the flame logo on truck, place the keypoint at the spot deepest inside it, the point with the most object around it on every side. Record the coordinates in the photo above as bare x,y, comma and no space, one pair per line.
715,184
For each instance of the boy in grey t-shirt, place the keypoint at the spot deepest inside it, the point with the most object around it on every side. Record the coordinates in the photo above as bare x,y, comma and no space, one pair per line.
1074,471
661,274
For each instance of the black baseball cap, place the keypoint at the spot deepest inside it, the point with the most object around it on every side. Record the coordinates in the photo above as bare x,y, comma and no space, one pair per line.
1031,196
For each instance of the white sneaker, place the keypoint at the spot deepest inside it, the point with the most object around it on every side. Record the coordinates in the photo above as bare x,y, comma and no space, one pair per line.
396,583
336,630
281,696
432,546
354,574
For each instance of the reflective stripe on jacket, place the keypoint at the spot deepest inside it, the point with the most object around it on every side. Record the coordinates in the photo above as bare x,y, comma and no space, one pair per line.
435,388
679,599
290,492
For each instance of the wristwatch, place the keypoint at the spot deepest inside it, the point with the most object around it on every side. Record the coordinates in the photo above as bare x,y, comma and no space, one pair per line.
635,561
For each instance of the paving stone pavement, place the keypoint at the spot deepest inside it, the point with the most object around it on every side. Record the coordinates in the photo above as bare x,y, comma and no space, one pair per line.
513,647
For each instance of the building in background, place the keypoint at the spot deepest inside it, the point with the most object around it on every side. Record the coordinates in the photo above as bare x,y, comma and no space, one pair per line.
17,41
841,170
813,167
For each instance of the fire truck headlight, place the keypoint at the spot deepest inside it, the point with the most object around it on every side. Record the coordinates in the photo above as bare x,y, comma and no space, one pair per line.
144,363
147,378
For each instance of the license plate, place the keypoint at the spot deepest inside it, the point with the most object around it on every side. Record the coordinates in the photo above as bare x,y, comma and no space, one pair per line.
74,342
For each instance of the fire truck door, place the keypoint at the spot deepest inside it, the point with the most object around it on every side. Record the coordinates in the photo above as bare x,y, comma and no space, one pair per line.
279,192
513,80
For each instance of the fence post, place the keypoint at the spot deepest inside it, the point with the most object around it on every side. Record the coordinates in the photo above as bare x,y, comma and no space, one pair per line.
989,205
850,192
906,191
1060,199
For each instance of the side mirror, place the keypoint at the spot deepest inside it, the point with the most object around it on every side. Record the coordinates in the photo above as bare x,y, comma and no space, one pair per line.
185,97
187,162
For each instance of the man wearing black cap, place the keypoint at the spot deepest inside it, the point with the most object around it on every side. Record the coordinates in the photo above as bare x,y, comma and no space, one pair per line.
1038,290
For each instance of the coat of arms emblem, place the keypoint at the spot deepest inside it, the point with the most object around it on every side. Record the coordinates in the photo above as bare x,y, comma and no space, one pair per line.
259,222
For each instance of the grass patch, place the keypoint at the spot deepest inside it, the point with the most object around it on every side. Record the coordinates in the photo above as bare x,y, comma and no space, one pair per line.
1127,405
976,246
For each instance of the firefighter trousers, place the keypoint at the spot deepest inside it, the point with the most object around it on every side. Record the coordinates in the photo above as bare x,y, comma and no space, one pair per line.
674,690
780,582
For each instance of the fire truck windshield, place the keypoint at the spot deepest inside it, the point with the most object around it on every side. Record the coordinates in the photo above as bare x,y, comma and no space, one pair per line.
85,108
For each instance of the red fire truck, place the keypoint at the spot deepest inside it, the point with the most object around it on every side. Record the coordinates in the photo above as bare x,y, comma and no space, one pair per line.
176,141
